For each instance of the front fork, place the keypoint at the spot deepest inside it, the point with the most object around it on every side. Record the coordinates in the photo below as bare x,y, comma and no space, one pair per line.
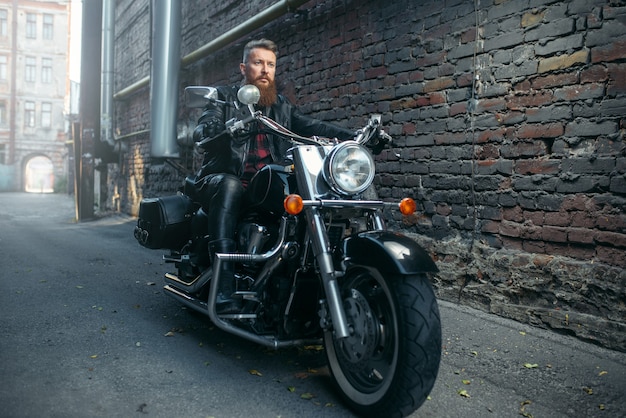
323,256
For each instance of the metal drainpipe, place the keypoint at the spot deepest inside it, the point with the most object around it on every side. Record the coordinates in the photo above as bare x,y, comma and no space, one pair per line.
106,95
165,76
271,13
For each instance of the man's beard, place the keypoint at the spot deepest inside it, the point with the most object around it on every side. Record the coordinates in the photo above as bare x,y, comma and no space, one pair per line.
268,93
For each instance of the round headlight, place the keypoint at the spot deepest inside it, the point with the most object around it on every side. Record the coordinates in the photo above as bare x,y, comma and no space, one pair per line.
349,168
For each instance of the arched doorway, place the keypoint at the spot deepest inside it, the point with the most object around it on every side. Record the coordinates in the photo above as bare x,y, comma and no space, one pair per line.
39,175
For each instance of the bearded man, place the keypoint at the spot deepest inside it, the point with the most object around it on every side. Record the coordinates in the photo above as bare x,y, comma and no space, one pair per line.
230,163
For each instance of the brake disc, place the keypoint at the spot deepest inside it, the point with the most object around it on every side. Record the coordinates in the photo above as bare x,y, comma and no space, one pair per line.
363,340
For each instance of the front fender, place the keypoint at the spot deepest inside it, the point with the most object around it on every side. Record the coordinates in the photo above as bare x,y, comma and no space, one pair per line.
387,251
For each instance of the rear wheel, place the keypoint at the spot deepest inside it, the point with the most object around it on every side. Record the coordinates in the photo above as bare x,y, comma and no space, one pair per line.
389,363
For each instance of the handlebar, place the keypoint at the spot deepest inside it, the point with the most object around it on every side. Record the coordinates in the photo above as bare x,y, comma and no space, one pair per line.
363,136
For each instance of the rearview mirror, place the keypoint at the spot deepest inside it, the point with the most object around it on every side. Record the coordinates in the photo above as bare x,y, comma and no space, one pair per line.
199,96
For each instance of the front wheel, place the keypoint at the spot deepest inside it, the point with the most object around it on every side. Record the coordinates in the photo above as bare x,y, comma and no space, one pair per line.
389,363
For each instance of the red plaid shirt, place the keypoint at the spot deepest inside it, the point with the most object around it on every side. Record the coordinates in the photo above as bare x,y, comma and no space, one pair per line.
258,156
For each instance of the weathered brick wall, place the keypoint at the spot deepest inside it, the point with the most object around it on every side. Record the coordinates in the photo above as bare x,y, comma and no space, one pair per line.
508,121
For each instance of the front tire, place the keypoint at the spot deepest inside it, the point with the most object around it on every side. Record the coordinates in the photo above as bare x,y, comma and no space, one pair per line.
389,363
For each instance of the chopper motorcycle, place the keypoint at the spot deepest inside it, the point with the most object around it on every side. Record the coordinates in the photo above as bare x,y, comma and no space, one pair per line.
315,263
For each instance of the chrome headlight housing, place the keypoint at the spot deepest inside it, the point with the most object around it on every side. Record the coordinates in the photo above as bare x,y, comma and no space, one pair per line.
349,168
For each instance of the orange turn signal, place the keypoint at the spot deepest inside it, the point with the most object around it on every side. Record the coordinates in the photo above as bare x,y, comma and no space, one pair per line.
408,206
293,204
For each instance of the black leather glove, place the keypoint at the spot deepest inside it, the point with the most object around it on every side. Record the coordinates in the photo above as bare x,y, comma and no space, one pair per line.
210,123
378,142
208,129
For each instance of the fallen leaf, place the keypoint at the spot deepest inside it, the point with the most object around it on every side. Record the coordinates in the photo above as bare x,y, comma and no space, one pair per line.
317,347
531,366
602,373
169,334
523,406
601,406
307,395
94,356
255,372
522,333
291,389
463,393
465,382
301,375
587,390
474,353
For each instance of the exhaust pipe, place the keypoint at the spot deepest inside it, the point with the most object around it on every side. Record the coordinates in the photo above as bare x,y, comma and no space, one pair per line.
201,306
192,287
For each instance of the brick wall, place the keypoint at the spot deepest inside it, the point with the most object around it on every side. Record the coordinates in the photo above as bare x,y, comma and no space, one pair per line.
508,122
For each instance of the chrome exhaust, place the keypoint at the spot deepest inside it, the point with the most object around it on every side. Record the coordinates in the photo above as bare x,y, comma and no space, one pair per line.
203,307
192,287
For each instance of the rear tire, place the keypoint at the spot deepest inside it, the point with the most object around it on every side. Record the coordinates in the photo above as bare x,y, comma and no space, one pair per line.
389,363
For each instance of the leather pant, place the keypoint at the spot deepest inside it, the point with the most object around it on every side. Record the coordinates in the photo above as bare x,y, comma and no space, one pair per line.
221,197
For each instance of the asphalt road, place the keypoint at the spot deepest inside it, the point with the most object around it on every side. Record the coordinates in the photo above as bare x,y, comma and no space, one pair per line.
85,331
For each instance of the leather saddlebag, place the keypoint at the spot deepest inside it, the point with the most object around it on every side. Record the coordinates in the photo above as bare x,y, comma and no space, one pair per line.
164,222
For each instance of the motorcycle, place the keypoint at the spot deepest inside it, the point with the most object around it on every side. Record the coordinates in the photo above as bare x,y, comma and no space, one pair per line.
315,264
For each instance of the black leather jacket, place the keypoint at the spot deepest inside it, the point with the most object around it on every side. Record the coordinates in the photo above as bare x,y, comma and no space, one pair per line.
228,155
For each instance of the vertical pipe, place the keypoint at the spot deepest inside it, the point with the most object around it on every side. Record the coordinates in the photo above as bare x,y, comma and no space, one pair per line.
90,70
13,104
106,95
164,77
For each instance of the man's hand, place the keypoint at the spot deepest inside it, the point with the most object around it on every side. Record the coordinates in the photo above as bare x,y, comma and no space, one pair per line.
378,141
208,129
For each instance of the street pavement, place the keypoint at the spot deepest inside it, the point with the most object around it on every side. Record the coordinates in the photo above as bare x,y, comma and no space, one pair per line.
85,331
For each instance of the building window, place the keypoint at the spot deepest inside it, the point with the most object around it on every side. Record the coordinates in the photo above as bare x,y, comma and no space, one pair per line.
31,25
4,62
48,27
31,68
3,113
3,154
46,70
46,115
4,23
29,114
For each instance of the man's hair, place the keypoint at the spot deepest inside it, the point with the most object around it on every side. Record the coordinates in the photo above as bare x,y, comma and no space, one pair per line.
259,43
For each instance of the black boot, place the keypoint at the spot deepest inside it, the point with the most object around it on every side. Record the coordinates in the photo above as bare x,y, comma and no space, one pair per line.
225,302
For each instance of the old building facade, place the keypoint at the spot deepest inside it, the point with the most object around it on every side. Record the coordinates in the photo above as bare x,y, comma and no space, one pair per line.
33,83
508,125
